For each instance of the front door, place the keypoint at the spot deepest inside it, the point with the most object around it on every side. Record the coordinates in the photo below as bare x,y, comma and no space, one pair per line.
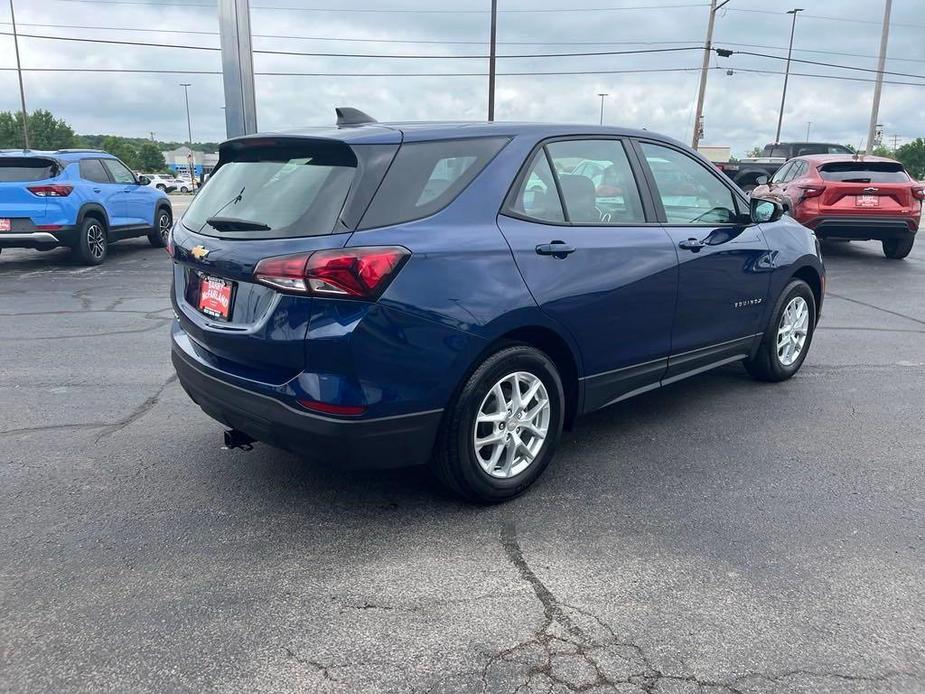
595,263
723,278
135,199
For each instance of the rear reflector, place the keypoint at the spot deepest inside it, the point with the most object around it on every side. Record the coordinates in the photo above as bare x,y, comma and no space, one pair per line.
48,227
329,408
52,191
350,273
812,191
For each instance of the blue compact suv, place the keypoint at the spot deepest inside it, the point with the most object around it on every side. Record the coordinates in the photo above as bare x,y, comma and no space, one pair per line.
81,199
455,294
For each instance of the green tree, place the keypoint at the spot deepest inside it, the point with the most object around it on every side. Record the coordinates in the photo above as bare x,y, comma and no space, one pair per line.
45,131
881,151
150,157
912,155
120,147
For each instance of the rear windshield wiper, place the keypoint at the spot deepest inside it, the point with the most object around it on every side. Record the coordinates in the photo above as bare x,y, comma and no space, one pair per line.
234,224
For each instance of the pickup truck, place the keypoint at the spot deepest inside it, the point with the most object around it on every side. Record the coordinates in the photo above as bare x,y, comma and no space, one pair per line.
746,172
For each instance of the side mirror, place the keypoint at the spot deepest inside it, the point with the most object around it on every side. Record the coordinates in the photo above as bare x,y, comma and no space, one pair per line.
144,181
762,180
763,211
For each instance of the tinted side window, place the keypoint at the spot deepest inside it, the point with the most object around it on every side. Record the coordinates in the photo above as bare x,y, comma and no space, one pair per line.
425,177
793,172
597,182
689,192
119,171
92,170
537,196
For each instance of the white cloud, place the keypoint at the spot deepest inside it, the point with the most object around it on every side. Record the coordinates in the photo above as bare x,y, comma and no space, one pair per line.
741,110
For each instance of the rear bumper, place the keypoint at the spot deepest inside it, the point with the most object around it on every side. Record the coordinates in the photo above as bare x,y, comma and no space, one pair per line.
385,442
39,240
863,228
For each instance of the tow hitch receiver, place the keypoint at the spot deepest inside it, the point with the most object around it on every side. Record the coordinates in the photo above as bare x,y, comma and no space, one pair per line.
237,439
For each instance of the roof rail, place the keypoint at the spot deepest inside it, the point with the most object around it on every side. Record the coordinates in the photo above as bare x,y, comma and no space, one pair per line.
81,149
347,115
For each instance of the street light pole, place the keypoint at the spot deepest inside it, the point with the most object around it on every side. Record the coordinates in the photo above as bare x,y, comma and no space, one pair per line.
491,60
602,95
22,91
878,87
189,133
783,96
809,125
707,48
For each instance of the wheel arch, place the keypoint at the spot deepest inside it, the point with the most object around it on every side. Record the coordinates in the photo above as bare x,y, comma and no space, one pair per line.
813,278
95,210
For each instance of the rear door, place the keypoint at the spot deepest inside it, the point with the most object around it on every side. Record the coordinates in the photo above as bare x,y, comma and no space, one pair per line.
596,261
21,209
108,193
723,276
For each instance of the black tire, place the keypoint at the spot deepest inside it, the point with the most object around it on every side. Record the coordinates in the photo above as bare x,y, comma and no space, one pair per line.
93,243
456,462
161,187
768,364
163,220
897,249
184,189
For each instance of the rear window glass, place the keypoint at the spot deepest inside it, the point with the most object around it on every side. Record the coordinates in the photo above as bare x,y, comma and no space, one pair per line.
275,192
426,177
864,172
25,169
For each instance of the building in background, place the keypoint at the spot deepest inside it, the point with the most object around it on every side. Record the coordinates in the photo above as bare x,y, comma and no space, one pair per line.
203,162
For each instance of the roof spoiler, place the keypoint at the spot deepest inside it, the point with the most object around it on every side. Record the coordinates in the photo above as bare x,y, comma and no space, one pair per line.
352,116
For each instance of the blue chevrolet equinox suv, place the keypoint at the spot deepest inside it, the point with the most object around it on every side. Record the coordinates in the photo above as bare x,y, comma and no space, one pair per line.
455,294
81,199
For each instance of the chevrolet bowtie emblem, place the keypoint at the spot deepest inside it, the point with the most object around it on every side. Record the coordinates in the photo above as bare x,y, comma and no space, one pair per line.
200,252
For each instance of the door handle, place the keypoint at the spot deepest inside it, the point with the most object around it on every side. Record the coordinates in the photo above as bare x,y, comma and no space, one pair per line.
97,190
557,249
692,244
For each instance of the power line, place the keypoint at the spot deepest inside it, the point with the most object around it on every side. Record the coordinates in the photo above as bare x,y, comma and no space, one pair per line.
828,19
832,65
419,56
828,77
382,10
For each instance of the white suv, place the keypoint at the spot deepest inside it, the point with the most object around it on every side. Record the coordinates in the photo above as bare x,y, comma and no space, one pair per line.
167,184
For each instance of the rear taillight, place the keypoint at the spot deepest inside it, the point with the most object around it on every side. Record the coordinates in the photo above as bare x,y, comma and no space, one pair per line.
812,191
357,273
52,191
918,193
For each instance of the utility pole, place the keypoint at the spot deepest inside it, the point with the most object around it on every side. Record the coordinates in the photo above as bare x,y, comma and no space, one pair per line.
895,143
809,125
783,96
22,91
491,60
878,87
234,25
707,49
602,95
189,141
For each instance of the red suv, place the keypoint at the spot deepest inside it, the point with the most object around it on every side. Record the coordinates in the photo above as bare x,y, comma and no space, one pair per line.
844,197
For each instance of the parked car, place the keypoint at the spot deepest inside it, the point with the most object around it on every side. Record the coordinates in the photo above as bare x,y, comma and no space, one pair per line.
81,199
166,184
850,197
746,172
184,183
331,301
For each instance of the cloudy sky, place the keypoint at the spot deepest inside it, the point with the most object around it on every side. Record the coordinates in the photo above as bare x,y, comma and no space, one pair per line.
652,90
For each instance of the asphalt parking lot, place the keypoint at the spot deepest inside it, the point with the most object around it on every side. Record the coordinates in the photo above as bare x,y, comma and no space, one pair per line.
717,536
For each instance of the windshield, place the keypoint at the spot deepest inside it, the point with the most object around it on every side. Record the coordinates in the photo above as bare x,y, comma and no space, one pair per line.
275,193
15,170
864,172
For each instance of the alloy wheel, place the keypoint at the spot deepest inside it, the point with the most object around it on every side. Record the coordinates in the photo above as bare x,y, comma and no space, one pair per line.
163,226
96,241
511,424
792,332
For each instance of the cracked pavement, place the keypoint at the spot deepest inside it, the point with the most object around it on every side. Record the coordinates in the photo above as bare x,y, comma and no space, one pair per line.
719,536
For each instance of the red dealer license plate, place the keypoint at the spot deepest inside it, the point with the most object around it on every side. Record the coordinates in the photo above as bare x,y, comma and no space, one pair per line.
867,201
215,297
5,225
